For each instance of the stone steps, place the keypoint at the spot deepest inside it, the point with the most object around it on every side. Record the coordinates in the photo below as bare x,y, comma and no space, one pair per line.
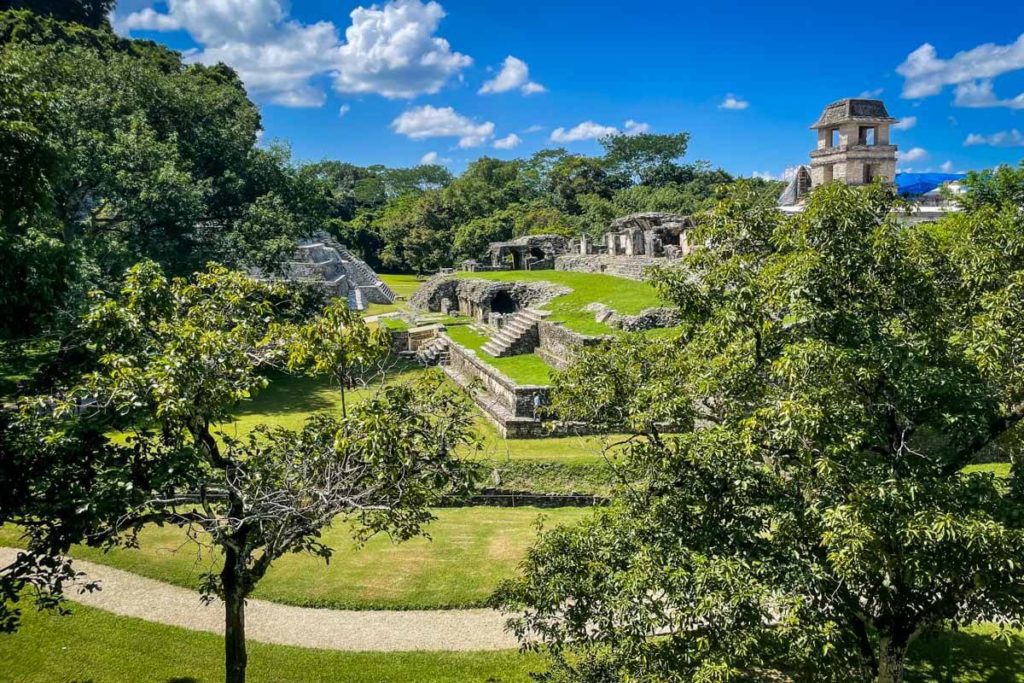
509,339
434,352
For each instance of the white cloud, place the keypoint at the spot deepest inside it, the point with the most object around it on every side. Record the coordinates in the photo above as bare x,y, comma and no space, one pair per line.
588,130
429,159
510,141
1004,138
787,174
389,50
906,123
980,94
733,103
913,154
946,167
871,94
637,128
343,109
535,128
392,51
146,19
427,121
925,74
514,74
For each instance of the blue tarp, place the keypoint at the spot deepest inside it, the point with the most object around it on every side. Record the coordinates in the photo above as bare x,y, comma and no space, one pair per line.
913,184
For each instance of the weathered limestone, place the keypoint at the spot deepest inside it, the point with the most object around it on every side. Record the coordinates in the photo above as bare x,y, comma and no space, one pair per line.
853,144
631,268
530,252
481,298
329,265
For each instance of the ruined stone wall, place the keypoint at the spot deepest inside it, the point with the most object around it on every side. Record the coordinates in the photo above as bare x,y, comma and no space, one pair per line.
629,267
559,345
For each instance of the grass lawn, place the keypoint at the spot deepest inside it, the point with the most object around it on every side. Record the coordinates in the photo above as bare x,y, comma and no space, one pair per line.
627,297
469,552
92,645
289,400
526,368
1000,469
402,285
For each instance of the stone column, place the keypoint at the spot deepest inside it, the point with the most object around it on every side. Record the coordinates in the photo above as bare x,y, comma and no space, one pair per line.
630,239
584,245
613,241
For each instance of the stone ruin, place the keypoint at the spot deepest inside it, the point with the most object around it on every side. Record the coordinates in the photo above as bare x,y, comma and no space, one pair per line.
853,147
631,245
489,302
325,263
530,252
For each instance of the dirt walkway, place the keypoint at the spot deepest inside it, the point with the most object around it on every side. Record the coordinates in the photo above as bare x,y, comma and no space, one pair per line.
267,622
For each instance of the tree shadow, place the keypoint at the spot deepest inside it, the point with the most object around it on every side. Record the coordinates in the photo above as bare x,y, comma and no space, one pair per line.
959,657
289,394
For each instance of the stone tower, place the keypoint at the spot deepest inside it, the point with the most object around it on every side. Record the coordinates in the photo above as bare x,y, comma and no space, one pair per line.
853,143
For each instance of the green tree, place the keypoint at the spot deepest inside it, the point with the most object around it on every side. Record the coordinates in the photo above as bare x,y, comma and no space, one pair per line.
172,359
573,177
640,158
809,510
92,13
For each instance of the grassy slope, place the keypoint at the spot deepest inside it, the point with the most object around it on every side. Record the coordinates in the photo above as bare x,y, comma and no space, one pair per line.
91,645
627,297
469,552
526,368
289,400
402,285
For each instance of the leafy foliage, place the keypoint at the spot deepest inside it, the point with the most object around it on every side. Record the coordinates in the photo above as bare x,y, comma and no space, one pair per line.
166,360
809,509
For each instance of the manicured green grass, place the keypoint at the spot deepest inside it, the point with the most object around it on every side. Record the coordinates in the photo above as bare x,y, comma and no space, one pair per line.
92,645
526,368
469,551
402,285
289,400
1000,469
627,297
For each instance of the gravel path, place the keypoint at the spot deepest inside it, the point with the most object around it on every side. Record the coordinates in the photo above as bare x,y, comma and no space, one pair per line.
131,595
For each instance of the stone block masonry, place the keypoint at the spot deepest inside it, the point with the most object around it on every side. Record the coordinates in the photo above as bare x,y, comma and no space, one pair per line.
629,267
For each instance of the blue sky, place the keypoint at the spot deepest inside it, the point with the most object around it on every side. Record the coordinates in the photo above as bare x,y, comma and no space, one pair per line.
399,82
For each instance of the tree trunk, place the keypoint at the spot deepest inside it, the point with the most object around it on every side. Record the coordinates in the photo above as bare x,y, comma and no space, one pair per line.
892,656
234,621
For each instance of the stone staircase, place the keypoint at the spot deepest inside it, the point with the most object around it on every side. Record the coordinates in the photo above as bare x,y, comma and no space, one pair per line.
434,352
518,335
326,262
355,299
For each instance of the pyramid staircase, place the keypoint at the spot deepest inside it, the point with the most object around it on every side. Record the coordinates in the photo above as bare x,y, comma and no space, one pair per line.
341,273
518,335
434,352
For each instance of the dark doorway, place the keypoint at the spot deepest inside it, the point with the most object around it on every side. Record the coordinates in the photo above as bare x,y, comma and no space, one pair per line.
537,253
503,303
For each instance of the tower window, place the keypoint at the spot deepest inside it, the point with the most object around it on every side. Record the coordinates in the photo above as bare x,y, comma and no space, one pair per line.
867,135
869,173
833,136
827,174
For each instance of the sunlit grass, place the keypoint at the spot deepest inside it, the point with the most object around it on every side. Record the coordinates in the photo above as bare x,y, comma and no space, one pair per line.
469,550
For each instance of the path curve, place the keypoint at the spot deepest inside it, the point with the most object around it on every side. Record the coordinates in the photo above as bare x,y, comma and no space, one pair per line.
132,595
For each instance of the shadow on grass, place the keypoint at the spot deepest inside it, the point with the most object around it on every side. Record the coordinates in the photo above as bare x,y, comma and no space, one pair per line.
290,394
965,658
